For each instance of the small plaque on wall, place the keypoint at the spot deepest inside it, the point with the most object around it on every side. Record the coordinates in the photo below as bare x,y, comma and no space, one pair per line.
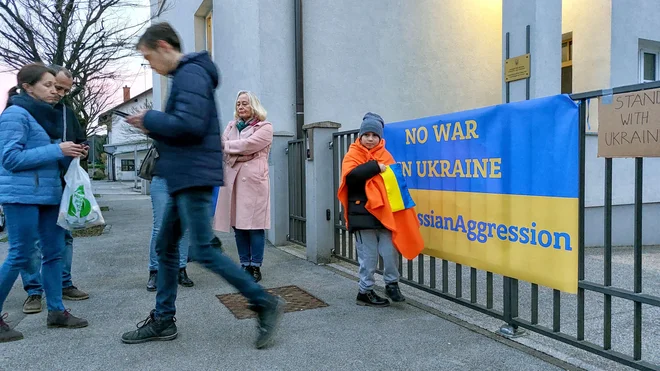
517,68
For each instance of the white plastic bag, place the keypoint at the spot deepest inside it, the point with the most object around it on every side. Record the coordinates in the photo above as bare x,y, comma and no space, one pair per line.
78,209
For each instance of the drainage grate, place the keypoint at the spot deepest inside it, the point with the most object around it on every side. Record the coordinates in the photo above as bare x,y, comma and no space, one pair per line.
296,298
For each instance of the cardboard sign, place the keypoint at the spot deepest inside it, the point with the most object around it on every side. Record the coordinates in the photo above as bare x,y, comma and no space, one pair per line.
629,124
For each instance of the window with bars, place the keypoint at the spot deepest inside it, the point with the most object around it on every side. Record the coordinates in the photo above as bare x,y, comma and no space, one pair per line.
127,165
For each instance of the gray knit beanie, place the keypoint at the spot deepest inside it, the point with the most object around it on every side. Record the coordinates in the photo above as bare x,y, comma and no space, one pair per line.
372,123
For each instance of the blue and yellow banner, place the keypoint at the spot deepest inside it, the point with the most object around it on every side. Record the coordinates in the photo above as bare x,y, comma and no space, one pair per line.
496,188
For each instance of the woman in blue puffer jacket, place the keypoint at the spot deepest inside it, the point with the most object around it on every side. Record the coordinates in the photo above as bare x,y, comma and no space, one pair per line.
31,159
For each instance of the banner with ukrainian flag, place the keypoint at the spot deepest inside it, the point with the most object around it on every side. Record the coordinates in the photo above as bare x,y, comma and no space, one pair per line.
496,188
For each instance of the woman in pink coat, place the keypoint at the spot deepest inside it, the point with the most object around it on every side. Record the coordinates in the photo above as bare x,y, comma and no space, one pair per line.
246,193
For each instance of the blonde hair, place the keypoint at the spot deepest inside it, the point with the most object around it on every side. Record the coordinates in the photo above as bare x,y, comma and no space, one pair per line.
258,110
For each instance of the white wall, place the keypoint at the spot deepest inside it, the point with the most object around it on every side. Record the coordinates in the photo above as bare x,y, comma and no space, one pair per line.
590,21
401,59
253,47
181,15
631,20
254,40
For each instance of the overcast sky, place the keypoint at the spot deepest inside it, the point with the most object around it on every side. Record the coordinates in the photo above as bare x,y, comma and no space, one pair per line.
138,77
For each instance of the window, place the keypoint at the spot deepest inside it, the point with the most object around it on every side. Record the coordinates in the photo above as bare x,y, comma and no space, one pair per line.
127,165
209,33
648,65
567,64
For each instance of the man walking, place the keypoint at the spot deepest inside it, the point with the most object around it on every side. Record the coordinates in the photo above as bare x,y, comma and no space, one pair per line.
32,277
187,136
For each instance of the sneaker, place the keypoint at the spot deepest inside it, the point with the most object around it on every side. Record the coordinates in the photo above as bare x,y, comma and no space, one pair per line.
7,334
32,304
371,299
248,269
393,292
269,319
64,319
256,274
184,280
151,284
151,329
72,293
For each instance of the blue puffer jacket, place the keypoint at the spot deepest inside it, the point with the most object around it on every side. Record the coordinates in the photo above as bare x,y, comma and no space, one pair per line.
187,134
30,172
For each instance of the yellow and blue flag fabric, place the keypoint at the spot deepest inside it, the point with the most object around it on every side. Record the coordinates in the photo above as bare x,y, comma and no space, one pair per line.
397,190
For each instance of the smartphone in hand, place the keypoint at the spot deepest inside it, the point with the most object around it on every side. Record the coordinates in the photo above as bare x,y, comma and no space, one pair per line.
120,113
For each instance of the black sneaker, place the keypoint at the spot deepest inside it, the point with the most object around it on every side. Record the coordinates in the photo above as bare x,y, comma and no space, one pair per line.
184,280
151,329
256,274
216,243
371,299
151,284
393,292
64,319
6,333
269,319
248,269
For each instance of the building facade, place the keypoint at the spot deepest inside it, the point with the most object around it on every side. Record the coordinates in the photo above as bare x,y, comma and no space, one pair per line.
126,146
317,60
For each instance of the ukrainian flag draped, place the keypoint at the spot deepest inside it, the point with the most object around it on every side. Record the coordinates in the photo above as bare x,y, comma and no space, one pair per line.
397,190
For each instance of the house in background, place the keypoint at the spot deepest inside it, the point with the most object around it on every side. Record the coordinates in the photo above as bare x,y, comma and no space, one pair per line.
126,146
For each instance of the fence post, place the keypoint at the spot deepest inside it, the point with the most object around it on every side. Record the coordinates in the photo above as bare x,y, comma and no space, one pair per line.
320,191
278,169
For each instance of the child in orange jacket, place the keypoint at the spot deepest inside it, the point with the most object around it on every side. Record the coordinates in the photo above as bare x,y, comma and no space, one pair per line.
368,214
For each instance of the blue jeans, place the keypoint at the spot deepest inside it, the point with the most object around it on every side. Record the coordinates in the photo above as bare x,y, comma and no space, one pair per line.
32,276
189,210
27,224
250,244
159,199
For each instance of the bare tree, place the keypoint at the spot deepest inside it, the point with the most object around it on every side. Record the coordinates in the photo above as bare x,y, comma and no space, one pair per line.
90,38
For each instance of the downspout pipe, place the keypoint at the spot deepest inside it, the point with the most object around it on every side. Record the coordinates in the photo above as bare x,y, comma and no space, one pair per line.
300,82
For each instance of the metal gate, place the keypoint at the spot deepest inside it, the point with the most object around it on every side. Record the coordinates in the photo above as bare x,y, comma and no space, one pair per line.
517,304
297,154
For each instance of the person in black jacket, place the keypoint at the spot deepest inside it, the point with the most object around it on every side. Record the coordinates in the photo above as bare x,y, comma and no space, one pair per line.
31,277
187,136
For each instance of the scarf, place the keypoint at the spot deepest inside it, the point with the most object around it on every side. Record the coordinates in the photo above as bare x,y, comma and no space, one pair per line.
403,224
45,114
242,124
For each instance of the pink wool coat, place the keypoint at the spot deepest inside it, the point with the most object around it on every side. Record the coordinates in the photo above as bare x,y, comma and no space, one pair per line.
244,200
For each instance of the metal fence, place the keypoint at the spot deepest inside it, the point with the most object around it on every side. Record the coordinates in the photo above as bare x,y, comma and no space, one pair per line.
549,312
297,155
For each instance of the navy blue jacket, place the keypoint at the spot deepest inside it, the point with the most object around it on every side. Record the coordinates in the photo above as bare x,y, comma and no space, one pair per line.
187,133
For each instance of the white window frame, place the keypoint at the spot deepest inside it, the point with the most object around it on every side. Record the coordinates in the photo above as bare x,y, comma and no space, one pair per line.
643,51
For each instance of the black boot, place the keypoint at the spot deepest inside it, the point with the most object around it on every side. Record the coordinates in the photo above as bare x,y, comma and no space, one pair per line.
256,273
371,299
393,292
151,284
184,280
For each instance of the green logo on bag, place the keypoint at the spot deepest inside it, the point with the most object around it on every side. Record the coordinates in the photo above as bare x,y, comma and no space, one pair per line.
79,206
